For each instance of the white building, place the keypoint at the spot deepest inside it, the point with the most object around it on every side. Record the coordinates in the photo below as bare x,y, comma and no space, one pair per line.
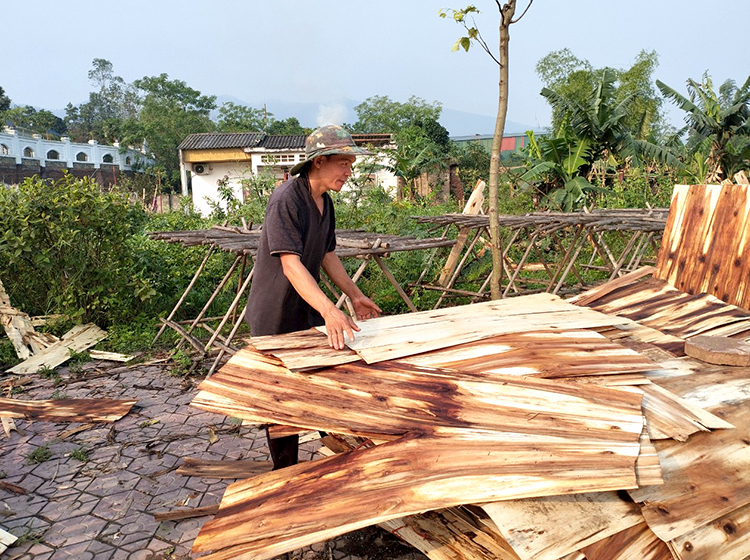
209,159
17,148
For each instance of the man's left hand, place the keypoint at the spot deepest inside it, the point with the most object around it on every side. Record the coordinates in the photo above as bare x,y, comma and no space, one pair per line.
365,308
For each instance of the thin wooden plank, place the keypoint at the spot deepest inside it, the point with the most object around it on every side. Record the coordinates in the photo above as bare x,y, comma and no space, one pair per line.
303,350
222,469
551,527
705,242
704,479
656,304
600,291
399,336
179,514
110,356
647,466
67,410
634,543
546,354
394,398
6,539
77,339
669,416
727,538
450,534
407,476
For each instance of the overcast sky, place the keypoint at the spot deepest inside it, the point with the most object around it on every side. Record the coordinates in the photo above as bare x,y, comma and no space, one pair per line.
333,52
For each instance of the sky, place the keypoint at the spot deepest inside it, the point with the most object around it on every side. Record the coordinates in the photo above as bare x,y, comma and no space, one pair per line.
337,53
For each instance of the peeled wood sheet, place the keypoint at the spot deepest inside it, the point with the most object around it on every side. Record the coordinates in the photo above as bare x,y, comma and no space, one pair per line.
67,410
727,538
551,527
391,399
656,304
283,510
405,335
547,354
77,339
669,416
302,350
705,478
706,242
450,534
634,543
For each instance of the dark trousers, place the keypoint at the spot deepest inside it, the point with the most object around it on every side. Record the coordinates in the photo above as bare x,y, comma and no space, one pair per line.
284,450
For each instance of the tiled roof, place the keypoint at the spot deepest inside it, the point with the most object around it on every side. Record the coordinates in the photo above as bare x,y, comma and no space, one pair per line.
284,142
218,140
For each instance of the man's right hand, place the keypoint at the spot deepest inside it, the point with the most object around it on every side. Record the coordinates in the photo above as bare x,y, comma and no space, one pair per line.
339,325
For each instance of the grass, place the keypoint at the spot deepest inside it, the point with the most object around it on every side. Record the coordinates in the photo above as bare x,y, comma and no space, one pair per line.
80,454
39,455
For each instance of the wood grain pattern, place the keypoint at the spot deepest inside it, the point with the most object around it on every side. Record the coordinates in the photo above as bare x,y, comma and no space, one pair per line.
727,538
656,304
704,479
394,398
545,354
398,336
705,247
77,339
67,410
276,512
551,527
634,543
450,534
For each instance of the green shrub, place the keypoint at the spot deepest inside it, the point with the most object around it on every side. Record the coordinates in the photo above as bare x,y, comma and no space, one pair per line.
65,247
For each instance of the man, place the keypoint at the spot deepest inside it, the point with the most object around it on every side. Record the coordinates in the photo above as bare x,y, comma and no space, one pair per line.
297,239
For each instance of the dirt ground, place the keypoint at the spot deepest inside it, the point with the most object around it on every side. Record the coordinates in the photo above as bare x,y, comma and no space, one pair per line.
89,491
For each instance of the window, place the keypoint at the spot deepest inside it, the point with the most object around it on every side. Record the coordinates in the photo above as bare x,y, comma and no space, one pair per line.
28,152
53,154
128,161
108,158
4,151
82,156
278,158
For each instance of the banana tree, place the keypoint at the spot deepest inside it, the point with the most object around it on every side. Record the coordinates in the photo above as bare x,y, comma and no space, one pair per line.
557,168
719,124
601,120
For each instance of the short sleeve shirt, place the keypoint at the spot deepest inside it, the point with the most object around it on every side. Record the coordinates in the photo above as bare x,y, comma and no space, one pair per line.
292,224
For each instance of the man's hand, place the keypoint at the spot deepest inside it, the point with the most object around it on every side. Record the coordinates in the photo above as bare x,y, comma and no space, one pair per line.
365,308
337,325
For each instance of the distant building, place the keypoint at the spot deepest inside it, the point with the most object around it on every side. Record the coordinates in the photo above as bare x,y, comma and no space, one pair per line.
24,155
208,159
511,141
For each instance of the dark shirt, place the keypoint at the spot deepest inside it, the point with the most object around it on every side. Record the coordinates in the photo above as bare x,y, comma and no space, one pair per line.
293,224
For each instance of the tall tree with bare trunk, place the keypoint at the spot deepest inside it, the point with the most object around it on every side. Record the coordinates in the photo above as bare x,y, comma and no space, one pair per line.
464,18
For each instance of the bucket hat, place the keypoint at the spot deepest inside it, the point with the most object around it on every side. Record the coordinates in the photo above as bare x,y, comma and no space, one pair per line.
326,141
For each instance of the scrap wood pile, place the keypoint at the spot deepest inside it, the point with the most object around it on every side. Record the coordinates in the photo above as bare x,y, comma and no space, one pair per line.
523,428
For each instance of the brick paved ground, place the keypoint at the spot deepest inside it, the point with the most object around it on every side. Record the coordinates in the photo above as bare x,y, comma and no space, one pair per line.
101,507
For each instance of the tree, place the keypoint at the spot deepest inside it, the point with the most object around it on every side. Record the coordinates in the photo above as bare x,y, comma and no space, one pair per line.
43,122
573,79
414,153
507,12
289,126
240,118
379,114
170,111
110,104
4,101
718,123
